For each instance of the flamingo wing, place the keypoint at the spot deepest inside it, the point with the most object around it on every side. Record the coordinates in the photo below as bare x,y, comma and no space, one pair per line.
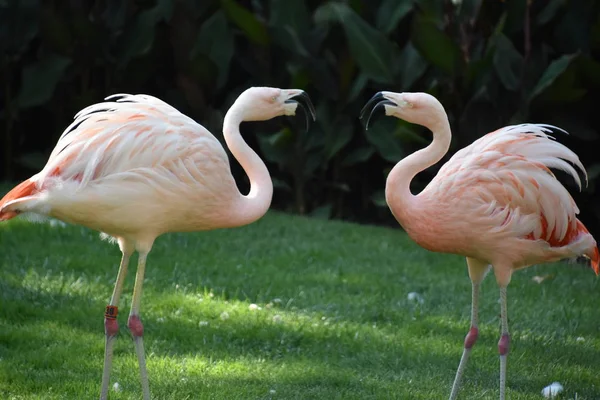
506,175
128,138
130,133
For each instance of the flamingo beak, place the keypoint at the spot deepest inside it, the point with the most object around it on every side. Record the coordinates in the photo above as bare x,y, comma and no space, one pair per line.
381,99
301,99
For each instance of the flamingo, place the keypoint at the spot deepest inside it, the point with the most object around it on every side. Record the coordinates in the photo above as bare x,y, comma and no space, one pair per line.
496,202
134,168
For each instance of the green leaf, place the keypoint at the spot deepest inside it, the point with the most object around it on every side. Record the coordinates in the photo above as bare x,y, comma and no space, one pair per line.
549,11
246,21
372,51
312,162
508,63
383,135
216,41
431,8
277,147
478,117
338,136
357,156
390,12
378,198
139,36
281,184
357,87
572,30
335,131
292,14
553,71
435,46
414,66
40,79
468,10
290,22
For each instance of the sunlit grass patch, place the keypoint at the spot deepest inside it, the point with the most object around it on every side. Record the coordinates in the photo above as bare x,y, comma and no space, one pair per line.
286,308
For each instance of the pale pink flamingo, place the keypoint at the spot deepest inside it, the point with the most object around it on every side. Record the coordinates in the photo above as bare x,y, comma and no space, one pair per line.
135,168
496,202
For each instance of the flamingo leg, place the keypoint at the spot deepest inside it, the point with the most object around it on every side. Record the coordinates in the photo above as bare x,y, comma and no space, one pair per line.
503,343
135,324
470,340
111,326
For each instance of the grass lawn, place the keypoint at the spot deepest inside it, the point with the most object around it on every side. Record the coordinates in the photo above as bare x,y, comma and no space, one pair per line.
333,318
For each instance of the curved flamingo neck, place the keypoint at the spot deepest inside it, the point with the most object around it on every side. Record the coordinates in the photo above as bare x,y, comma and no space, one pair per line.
256,203
397,191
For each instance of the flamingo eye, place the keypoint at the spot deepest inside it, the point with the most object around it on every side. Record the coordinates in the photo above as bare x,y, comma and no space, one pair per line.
273,98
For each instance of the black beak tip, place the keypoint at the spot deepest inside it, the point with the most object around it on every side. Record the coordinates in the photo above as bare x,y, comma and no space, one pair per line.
369,103
304,102
379,101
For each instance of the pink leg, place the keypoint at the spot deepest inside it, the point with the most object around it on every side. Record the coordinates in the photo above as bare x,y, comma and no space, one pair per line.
111,326
135,324
470,340
503,343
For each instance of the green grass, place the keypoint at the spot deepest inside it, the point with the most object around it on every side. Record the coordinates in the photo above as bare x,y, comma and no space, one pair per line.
334,319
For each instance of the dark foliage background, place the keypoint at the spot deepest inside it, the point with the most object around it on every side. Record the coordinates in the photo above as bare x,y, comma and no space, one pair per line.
491,63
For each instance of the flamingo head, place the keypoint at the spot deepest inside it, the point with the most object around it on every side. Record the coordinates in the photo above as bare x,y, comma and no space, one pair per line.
264,103
417,108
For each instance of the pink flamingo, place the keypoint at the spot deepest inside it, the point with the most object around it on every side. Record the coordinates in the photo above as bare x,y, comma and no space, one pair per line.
496,202
136,168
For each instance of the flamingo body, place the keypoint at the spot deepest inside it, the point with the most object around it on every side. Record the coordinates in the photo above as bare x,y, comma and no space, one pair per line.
503,199
132,167
136,168
496,202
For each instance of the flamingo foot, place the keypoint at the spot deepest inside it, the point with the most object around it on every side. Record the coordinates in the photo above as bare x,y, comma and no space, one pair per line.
137,330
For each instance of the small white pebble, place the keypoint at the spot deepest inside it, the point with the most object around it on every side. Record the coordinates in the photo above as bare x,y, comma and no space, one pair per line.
277,319
414,296
203,323
55,222
323,318
224,315
277,300
211,294
580,339
552,390
272,391
254,307
116,387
